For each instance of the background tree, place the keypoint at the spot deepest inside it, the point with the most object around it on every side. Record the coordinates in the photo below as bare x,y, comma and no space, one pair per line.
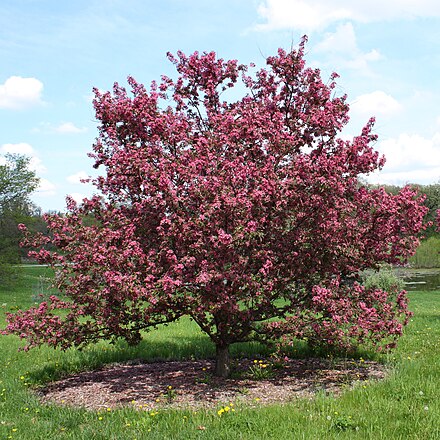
432,202
233,213
17,182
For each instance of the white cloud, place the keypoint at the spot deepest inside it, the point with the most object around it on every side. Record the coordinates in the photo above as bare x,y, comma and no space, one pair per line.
375,103
298,14
69,127
373,55
19,93
410,159
422,177
341,41
25,149
46,188
21,148
341,46
78,197
63,128
77,177
309,15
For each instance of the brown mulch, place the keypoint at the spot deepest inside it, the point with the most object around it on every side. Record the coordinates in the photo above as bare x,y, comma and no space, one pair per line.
191,383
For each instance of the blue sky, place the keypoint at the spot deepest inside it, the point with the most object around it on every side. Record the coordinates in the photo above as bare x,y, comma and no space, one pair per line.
52,53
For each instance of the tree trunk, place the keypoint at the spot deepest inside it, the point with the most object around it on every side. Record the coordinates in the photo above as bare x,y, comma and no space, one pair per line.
222,361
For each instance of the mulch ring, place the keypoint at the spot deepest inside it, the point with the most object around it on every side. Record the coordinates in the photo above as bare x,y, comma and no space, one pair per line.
178,384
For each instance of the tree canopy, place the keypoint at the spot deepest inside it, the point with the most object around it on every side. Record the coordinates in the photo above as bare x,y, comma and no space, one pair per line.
17,182
246,215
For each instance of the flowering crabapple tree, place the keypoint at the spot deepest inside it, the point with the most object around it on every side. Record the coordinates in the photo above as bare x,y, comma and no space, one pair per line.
248,215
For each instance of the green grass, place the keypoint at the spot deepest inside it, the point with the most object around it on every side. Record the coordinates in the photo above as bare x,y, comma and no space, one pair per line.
404,406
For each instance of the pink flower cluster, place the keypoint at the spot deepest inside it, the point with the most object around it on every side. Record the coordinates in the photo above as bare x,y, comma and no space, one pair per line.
341,316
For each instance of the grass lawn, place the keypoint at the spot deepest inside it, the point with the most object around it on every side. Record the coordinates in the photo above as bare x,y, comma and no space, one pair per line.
404,406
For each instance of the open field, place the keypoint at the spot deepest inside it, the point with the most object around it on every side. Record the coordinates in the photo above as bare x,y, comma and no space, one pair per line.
403,406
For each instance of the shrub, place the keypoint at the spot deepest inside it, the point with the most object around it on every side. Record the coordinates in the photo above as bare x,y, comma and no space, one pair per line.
384,279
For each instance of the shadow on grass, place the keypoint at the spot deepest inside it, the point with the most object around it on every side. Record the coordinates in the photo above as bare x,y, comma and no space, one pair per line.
301,350
93,357
177,347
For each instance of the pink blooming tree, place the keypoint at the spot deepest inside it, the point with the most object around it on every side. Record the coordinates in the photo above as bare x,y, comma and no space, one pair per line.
247,215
